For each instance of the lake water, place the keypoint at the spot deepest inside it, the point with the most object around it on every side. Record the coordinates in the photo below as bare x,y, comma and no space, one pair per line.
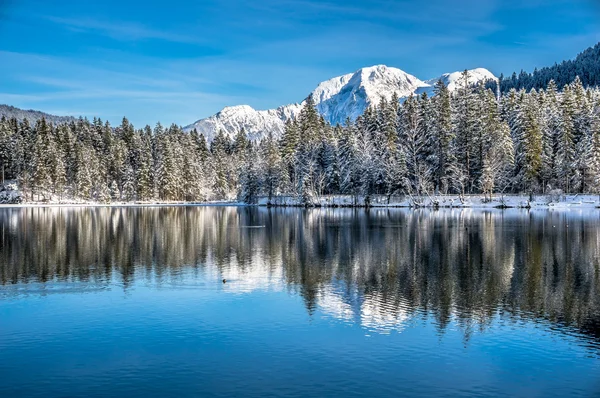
107,302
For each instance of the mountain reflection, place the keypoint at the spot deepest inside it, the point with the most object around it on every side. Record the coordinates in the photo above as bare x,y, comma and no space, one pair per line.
379,268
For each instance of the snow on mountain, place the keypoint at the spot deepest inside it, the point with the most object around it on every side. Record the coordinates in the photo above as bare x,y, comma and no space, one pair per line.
32,116
256,123
453,80
336,99
348,96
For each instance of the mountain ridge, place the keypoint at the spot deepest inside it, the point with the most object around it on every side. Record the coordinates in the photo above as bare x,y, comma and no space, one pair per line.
31,115
336,99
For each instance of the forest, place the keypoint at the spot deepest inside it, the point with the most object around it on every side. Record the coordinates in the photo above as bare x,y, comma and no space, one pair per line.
586,66
472,140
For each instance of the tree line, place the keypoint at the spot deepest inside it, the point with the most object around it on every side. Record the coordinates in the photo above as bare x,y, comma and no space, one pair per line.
468,141
586,66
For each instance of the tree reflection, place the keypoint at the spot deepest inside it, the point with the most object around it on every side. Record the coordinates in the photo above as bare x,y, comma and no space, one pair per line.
378,268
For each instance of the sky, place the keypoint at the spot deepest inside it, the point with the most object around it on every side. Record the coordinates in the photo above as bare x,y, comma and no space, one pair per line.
178,61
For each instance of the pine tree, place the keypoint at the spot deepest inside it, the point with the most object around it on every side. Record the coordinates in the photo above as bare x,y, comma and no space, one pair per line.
365,156
273,172
441,158
288,146
416,144
527,136
115,193
565,154
397,172
306,155
250,177
219,149
42,158
496,147
348,160
466,134
5,149
144,172
129,192
83,177
551,122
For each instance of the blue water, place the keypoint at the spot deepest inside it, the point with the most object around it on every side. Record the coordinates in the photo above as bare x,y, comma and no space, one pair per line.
130,302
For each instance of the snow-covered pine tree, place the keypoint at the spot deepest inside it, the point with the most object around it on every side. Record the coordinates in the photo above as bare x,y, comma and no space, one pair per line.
115,193
348,160
466,130
441,158
330,160
551,120
273,171
219,149
565,153
416,146
288,146
144,172
584,164
527,138
250,178
366,158
396,172
129,185
306,156
83,178
42,158
5,149
496,147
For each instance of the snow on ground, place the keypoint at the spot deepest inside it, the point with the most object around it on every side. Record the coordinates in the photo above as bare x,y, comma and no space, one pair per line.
122,204
10,196
449,201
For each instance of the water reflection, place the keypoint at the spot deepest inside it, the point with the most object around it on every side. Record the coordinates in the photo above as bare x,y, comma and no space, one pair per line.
379,268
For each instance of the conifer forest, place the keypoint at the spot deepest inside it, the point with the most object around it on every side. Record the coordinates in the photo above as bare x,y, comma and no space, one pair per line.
473,140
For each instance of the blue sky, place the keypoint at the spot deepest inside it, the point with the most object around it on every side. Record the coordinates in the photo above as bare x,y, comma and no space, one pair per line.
179,61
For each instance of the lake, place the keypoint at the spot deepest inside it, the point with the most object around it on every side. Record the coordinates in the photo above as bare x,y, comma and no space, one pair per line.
126,301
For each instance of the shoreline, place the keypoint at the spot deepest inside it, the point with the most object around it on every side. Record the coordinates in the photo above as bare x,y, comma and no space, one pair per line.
123,204
539,202
476,201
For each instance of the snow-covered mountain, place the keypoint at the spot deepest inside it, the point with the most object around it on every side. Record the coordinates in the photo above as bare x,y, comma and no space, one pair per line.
256,123
32,116
452,80
348,96
336,99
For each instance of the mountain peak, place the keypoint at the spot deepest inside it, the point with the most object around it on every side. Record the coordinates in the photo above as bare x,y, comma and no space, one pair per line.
452,79
229,110
377,71
349,95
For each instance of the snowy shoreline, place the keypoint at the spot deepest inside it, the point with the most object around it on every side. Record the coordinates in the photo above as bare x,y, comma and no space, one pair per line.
574,201
121,204
565,202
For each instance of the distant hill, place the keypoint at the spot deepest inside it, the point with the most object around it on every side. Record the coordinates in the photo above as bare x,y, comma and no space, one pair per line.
31,115
586,65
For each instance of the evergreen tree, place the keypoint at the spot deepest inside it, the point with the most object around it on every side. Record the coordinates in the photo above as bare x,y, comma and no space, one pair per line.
441,157
527,136
467,139
273,172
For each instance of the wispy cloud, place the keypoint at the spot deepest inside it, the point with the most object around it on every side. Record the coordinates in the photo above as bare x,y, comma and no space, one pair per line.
121,30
